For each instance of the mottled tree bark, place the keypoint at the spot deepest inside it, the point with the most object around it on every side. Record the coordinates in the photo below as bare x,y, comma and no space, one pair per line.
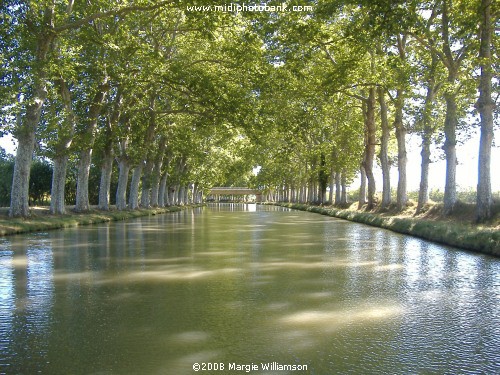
105,183
162,193
107,164
82,184
423,193
383,155
57,192
362,188
155,186
64,138
27,124
401,197
337,189
371,129
332,186
133,201
427,132
146,183
343,195
485,106
450,130
121,190
322,180
451,121
85,159
156,175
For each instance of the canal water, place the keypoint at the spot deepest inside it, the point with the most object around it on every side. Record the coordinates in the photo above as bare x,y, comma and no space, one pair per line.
230,289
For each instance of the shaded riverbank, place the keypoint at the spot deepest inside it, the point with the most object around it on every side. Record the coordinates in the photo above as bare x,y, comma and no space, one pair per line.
42,220
464,235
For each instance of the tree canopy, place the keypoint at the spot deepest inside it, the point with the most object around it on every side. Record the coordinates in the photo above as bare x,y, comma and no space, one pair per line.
166,99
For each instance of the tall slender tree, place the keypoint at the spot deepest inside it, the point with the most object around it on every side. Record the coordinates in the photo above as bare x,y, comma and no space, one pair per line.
485,106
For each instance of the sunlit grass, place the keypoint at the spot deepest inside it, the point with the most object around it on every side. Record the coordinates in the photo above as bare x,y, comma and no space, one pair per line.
455,231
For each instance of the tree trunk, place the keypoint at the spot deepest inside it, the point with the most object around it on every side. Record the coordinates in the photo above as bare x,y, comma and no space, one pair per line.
107,165
155,186
194,193
105,184
401,139
26,125
383,155
322,179
362,188
82,187
338,199
450,128
65,135
162,193
146,183
121,190
451,119
428,129
171,195
485,106
370,147
133,201
343,196
82,184
57,192
19,196
180,196
156,175
187,199
423,193
302,193
332,185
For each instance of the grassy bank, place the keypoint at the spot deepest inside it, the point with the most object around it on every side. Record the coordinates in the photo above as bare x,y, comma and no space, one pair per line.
42,220
452,231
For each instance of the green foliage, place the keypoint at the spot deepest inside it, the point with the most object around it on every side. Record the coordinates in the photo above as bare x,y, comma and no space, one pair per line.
6,171
226,92
40,181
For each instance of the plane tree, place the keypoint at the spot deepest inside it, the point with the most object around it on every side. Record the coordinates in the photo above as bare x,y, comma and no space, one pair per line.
450,38
487,13
32,35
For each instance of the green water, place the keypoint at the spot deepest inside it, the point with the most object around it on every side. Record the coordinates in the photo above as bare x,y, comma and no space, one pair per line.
233,287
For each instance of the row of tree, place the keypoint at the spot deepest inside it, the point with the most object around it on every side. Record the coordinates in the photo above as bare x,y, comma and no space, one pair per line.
179,99
159,91
358,76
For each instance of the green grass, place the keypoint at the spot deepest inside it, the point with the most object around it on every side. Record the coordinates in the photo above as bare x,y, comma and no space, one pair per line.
41,220
454,232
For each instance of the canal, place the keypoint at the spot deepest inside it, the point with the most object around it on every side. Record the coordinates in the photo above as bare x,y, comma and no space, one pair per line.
236,288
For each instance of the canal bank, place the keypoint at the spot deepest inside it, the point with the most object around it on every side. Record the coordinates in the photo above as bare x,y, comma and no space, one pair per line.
462,235
233,286
42,220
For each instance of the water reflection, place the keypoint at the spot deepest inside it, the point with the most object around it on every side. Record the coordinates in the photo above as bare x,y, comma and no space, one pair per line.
7,304
236,283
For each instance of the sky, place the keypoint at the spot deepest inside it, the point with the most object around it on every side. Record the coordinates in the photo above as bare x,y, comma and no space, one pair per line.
466,169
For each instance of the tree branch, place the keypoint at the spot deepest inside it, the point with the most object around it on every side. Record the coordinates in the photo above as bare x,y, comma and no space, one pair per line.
115,12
